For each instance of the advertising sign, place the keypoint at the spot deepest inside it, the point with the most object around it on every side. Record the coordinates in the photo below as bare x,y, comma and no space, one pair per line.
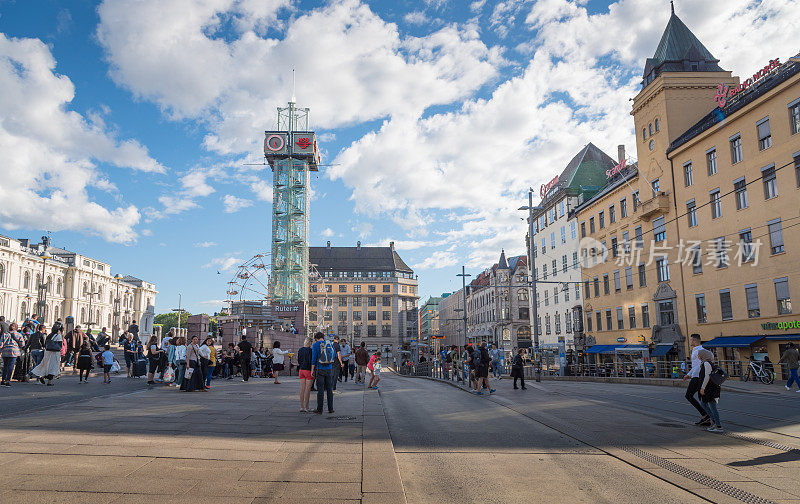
725,92
304,143
546,187
621,339
276,143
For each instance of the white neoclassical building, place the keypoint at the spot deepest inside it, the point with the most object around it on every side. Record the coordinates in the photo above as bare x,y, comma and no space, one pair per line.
56,283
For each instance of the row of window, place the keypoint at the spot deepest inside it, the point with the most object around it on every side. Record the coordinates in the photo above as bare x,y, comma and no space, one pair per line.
573,231
342,315
372,330
612,213
564,266
355,301
551,216
342,288
782,298
556,291
366,274
651,129
594,319
556,319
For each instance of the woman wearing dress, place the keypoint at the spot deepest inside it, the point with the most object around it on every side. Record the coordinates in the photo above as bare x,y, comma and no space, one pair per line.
193,379
277,360
208,356
50,367
84,362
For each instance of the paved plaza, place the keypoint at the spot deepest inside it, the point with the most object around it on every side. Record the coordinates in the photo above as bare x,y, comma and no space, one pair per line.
415,440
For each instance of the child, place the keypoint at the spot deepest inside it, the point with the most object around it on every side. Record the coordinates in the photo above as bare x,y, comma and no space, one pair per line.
108,361
84,362
374,367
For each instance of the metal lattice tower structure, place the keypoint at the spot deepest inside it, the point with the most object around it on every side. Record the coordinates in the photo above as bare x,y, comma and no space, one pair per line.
292,154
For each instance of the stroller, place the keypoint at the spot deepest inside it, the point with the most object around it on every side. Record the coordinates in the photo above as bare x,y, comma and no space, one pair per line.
266,366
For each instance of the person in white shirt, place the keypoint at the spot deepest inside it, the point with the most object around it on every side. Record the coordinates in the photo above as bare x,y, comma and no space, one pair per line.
694,380
277,360
108,361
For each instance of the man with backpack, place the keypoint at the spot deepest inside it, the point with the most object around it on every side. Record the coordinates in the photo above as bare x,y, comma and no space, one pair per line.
791,359
323,356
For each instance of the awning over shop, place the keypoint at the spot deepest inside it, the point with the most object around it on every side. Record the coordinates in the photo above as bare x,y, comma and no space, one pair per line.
732,341
599,349
662,350
782,337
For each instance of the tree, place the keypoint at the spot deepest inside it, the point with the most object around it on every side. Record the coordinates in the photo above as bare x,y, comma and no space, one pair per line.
170,320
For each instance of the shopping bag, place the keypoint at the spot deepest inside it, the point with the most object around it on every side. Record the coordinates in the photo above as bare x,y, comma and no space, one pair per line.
169,375
115,367
189,373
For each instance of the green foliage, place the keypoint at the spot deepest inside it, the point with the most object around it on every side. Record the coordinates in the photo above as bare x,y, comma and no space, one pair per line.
169,320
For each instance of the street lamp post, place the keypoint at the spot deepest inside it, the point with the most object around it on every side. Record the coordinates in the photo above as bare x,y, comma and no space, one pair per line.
180,311
532,287
464,276
41,300
115,329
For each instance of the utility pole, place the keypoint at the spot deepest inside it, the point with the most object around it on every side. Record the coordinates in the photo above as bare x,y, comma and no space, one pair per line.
464,276
532,311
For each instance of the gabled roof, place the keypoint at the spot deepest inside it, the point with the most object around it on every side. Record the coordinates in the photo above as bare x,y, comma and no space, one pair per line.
502,263
677,50
516,262
357,259
586,169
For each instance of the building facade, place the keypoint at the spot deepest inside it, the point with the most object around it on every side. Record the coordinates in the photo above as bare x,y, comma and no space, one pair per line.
429,325
57,283
451,321
364,294
556,239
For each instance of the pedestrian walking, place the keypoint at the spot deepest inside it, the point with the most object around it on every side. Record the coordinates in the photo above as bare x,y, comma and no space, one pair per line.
694,381
362,358
84,362
791,358
278,360
35,344
518,369
496,354
374,366
709,390
482,362
153,358
245,356
50,367
337,363
323,356
193,378
304,370
108,361
209,353
346,353
11,345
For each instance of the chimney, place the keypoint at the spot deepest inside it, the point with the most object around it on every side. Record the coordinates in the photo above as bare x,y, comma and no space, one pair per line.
620,153
391,246
329,244
358,245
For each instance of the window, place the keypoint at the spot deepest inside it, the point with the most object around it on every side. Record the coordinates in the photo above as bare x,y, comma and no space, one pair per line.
26,281
691,213
372,315
372,287
645,315
617,286
658,128
751,294
614,249
567,323
577,292
696,260
583,225
599,319
644,133
606,284
700,304
544,272
387,315
591,224
740,188
553,240
524,314
387,288
775,236
558,323
547,298
357,301
642,276
659,229
662,269
343,316
746,245
342,288
573,231
547,323
636,201
561,209
725,304
764,134
372,301
629,277
343,301
612,216
372,330
797,167
650,129
620,324
564,263
794,116
356,288
711,161
666,312
656,185
588,321
721,249
626,241
544,246
632,317
563,234
555,267
597,286
736,148
623,208
574,260
770,182
608,319
555,295
716,204
687,174
356,315
566,294
782,296
386,301
601,219
639,240
586,289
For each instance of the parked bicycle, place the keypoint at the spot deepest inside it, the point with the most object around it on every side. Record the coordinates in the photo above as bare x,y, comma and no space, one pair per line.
759,372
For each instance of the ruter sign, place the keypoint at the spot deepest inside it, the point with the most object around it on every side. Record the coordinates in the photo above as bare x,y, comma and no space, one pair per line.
725,92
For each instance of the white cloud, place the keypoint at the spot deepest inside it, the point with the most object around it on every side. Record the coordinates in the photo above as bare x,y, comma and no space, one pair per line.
438,260
205,244
225,263
233,204
416,18
169,52
147,232
51,154
328,233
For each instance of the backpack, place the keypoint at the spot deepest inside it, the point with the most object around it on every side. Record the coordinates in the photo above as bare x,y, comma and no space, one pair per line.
326,353
718,375
449,357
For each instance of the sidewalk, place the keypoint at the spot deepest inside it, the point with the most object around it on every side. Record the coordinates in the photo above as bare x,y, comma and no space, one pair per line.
239,442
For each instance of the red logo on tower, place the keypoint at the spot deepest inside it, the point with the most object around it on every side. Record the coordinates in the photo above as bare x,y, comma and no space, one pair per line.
303,143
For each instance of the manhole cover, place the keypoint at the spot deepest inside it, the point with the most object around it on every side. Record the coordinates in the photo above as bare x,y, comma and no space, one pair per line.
673,425
342,418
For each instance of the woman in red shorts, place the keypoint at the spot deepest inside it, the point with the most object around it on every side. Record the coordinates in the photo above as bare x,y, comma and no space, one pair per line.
306,378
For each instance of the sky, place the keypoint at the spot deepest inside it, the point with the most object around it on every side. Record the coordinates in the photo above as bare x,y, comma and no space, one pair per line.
132,130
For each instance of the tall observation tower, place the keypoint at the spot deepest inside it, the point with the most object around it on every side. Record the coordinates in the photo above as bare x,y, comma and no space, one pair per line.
292,153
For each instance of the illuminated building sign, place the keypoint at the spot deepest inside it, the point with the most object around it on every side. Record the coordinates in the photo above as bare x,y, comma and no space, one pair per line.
546,187
725,92
616,169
